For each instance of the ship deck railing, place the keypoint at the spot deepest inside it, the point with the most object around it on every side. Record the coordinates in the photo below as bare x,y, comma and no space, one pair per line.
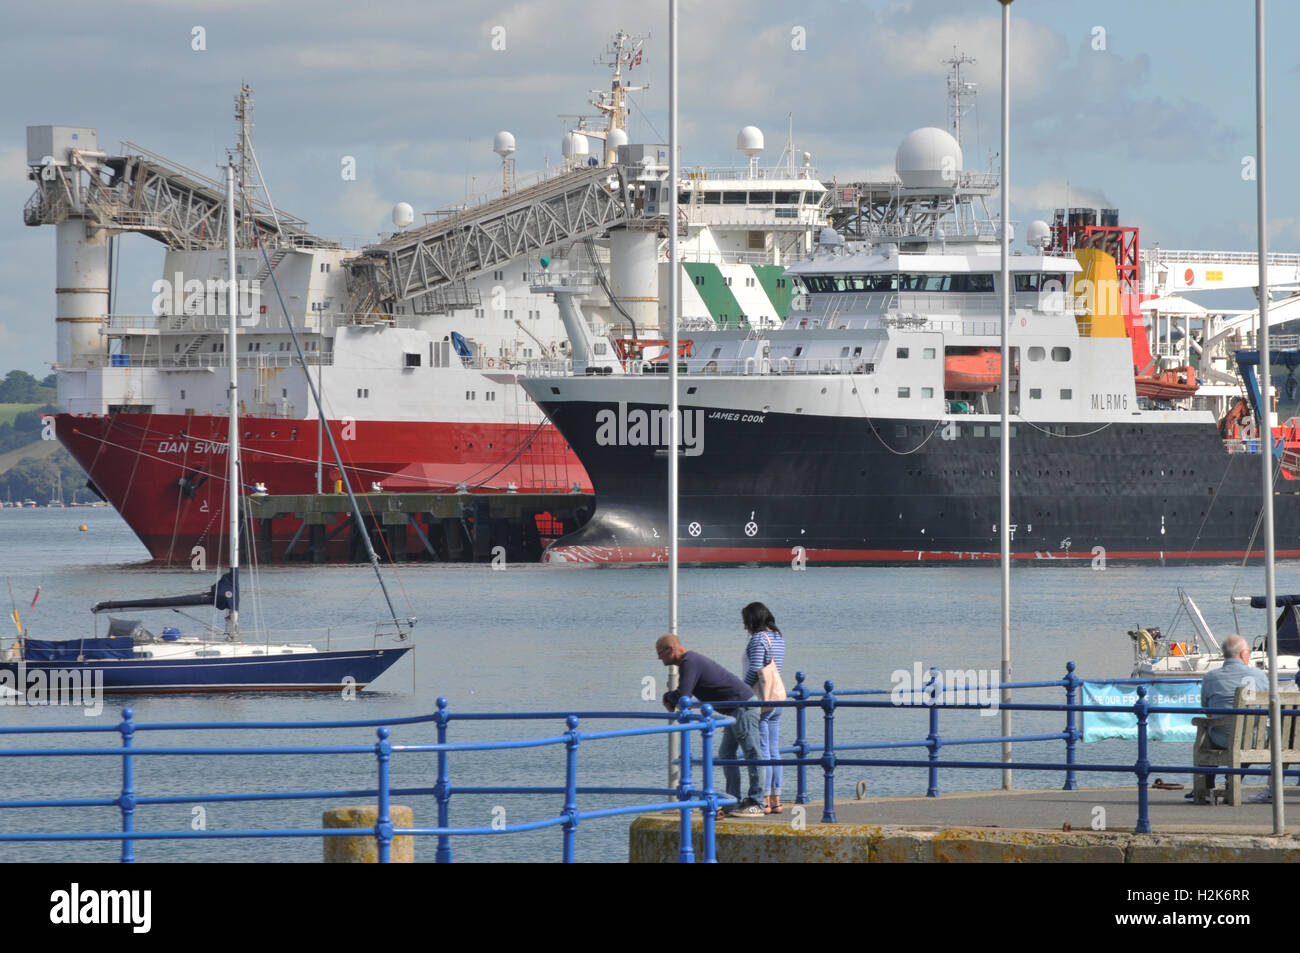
131,745
202,360
976,693
217,322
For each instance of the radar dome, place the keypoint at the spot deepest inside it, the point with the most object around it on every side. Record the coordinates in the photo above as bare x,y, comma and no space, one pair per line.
574,146
1037,234
503,144
749,141
928,158
616,138
403,214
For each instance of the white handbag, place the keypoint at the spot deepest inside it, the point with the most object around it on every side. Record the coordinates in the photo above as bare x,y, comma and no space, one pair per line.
768,686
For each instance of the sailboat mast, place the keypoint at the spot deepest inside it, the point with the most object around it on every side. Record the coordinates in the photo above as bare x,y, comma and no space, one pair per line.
232,441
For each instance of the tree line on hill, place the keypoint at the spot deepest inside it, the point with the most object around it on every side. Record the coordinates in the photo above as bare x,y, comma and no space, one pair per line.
32,478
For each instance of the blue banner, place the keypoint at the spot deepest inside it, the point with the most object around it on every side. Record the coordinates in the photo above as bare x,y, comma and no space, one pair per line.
1100,725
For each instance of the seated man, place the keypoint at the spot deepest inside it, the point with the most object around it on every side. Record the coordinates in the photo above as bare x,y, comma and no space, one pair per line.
1219,687
705,680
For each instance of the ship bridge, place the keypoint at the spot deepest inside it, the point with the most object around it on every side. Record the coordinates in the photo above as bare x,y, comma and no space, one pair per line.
572,205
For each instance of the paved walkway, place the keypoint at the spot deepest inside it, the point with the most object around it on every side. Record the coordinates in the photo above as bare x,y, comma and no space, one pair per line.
1050,811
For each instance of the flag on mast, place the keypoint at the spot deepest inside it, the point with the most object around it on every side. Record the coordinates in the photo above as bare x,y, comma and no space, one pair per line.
35,597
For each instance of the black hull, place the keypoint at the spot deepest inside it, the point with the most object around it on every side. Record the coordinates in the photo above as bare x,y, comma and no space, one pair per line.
776,488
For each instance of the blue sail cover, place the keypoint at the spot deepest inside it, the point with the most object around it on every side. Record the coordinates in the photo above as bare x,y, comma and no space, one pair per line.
72,650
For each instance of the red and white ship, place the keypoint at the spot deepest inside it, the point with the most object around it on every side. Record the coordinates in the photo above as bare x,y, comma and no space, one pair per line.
416,343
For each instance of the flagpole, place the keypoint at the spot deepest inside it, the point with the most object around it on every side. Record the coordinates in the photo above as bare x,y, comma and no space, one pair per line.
674,423
1004,491
1265,430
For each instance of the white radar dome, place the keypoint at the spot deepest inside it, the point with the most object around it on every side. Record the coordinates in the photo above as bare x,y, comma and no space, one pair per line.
616,138
928,158
574,145
1038,234
749,141
503,144
403,214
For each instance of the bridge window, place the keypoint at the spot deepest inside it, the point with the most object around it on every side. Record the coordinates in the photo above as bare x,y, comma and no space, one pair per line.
761,198
786,198
711,198
735,198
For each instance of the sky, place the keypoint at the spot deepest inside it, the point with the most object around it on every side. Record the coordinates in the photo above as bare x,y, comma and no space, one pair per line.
1146,107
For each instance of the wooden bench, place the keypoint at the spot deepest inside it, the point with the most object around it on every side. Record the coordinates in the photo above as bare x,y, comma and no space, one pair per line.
1249,744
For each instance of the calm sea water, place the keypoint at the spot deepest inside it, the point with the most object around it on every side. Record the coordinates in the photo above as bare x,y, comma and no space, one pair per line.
536,638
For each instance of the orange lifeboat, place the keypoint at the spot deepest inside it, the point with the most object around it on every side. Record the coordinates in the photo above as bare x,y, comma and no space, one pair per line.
1173,384
977,370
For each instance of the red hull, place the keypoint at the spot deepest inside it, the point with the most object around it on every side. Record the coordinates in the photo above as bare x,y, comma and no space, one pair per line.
166,473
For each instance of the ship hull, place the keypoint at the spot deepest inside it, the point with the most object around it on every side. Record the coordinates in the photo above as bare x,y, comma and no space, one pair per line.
165,473
799,489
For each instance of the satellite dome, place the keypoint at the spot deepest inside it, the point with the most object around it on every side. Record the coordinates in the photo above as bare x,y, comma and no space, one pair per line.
574,146
1038,234
503,144
828,236
403,214
616,138
928,158
749,141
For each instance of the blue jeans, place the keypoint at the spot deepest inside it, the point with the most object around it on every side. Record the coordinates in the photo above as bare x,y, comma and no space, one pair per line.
742,735
769,742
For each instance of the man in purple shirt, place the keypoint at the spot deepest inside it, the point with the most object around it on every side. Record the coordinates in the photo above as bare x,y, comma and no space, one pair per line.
705,680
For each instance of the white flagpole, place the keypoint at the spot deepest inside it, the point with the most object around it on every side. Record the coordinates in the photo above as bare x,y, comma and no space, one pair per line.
1265,430
674,424
1004,520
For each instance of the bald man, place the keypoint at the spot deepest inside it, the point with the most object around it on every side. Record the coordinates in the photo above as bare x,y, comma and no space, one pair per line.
705,680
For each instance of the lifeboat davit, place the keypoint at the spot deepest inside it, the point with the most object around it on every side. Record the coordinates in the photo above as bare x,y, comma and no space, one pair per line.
978,370
1173,384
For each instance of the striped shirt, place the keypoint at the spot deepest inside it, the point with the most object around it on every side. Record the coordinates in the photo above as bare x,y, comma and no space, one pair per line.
757,655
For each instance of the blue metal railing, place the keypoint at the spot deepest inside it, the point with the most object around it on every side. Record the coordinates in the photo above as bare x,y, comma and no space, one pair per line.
828,755
684,798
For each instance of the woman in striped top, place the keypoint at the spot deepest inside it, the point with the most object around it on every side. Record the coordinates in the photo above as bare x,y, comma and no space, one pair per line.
766,644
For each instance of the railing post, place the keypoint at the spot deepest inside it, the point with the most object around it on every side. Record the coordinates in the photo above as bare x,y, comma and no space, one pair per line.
571,788
442,790
1072,682
1143,766
828,754
800,692
126,801
710,796
932,740
685,849
383,823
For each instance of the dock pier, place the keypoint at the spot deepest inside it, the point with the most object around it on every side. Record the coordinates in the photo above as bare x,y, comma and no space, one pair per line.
458,527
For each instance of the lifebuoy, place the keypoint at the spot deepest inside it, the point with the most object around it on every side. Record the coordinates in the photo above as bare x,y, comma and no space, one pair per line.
491,362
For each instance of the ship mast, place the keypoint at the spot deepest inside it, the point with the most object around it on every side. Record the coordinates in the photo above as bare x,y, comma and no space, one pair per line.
960,94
